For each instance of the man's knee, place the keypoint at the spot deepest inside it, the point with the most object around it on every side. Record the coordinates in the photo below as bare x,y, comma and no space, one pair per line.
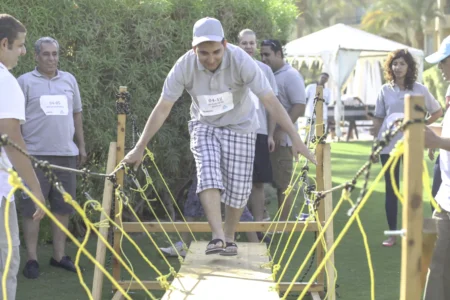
258,185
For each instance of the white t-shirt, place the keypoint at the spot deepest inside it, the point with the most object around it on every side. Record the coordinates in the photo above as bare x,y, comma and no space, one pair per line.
12,106
310,95
443,195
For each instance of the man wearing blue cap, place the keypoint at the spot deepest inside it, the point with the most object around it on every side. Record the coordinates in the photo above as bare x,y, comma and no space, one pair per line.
438,279
219,78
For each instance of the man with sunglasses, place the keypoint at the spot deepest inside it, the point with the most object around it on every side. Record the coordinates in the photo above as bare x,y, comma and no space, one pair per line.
291,94
219,77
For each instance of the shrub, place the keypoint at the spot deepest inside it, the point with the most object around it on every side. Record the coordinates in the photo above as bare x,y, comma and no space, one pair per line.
436,84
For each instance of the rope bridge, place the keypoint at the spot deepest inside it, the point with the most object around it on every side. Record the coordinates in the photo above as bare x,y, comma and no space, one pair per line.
267,266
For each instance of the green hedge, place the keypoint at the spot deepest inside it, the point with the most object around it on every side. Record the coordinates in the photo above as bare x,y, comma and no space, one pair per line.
107,43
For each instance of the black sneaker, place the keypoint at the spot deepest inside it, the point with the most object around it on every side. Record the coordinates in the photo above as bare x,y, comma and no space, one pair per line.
31,269
65,263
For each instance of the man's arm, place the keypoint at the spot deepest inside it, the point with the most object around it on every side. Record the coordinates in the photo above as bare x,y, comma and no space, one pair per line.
281,117
154,123
79,136
296,111
23,166
432,141
434,116
271,124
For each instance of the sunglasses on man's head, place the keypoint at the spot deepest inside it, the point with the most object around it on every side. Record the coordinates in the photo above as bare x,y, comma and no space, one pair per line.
270,43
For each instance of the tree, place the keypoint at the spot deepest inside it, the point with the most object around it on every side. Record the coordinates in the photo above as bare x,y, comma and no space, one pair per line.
401,20
318,14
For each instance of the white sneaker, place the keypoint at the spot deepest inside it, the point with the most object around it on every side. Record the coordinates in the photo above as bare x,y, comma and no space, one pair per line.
171,252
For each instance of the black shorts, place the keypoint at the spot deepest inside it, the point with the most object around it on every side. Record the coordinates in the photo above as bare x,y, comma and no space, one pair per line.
51,194
262,168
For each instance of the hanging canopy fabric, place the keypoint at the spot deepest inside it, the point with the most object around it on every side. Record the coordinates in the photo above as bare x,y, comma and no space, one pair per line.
339,48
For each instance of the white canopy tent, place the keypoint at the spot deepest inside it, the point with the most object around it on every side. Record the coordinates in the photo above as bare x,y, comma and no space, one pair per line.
341,48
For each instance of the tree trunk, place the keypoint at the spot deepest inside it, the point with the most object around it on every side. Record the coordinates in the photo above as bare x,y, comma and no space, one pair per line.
419,39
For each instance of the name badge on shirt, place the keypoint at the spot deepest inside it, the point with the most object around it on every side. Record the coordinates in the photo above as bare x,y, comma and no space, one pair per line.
54,105
211,105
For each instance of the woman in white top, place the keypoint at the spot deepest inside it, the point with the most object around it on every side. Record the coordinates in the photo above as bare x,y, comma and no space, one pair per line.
400,71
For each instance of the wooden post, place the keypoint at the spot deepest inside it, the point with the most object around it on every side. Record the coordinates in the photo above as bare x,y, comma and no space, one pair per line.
97,284
121,125
319,130
410,288
118,296
329,234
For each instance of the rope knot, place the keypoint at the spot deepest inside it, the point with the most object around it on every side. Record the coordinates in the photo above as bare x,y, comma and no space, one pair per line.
163,282
151,156
288,190
14,180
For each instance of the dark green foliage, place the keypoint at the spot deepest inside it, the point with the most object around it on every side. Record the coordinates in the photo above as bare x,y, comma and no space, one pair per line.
112,43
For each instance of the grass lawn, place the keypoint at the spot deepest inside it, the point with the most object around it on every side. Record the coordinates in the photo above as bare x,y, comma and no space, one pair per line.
350,257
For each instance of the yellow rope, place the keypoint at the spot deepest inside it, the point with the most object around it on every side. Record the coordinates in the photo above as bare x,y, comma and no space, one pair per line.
342,234
144,196
9,241
292,252
149,235
325,249
314,246
17,184
164,284
285,223
397,152
152,158
367,248
427,184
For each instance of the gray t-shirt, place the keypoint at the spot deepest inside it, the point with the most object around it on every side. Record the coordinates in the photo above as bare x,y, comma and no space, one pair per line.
221,98
49,108
291,90
391,101
260,109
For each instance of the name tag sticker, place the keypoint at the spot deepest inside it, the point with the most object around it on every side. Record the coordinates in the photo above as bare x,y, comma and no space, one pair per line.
211,105
54,105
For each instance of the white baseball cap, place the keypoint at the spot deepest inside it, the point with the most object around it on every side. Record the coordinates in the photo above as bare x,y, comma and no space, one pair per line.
207,30
443,52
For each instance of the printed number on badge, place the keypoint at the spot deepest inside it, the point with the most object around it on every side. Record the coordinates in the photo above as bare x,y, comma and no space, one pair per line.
54,105
211,105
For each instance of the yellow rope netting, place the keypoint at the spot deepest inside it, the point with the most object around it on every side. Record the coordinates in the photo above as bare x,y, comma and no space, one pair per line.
277,257
16,183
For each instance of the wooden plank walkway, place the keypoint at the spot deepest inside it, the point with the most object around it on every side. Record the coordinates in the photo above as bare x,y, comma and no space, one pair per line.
220,277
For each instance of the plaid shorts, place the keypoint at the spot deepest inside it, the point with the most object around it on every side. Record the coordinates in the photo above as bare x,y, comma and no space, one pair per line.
224,161
193,207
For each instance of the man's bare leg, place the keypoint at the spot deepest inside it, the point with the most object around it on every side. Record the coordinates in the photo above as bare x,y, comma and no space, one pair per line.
256,203
31,236
59,237
232,217
287,205
210,200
